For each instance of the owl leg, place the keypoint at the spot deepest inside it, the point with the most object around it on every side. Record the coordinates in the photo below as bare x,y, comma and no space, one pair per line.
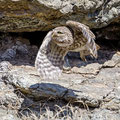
82,56
66,65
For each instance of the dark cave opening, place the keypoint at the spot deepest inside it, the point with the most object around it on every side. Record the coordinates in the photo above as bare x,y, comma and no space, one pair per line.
36,38
108,44
109,36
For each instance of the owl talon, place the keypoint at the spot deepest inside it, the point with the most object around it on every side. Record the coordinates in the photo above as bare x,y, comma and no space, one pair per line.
66,68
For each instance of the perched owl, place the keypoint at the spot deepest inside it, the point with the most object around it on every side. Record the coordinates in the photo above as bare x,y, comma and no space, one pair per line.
75,37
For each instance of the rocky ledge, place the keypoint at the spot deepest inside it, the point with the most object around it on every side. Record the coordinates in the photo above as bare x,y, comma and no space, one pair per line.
88,91
92,88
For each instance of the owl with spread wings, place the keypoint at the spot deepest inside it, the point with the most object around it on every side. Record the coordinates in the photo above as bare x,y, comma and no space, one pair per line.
75,37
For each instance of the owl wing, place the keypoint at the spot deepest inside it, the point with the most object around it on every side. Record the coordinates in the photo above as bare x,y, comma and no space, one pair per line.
49,60
87,34
79,27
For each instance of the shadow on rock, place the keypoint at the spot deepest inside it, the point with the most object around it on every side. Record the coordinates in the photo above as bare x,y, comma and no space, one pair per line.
47,97
103,56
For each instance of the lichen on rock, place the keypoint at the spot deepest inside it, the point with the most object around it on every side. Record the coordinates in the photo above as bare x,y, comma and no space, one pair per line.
41,15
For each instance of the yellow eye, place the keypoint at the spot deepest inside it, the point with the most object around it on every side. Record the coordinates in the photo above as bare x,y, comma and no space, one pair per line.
59,32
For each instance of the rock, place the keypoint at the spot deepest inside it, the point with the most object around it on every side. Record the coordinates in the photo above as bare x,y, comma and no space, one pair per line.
5,66
22,49
5,115
8,98
88,69
9,53
22,15
90,89
105,114
21,40
70,89
14,48
112,101
114,61
90,84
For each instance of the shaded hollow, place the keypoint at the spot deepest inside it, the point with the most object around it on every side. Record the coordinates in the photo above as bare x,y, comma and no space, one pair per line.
109,36
103,39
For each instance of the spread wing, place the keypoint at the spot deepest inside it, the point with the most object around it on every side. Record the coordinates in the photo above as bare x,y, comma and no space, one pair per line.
79,28
49,60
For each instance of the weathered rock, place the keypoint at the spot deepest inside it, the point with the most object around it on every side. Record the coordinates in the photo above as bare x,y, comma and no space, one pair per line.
112,101
90,90
105,114
94,84
24,15
5,115
90,83
9,53
5,66
14,48
8,98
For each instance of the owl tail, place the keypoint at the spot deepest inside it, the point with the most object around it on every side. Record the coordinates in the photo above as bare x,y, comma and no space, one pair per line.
93,47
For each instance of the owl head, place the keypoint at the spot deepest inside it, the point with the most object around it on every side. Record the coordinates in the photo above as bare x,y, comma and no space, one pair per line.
62,36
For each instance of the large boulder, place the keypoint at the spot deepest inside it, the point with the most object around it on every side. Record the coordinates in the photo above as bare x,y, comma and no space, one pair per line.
43,15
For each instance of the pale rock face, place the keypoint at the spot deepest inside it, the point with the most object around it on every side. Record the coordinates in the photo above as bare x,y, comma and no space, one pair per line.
94,84
43,15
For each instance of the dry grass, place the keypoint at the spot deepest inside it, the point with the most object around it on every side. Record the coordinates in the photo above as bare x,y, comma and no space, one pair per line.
60,113
28,109
54,110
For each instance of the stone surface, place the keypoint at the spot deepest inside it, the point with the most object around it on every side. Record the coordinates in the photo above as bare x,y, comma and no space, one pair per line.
43,15
15,48
5,115
105,115
91,88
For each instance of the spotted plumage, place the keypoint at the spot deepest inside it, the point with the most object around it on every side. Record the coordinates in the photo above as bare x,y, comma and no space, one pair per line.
74,36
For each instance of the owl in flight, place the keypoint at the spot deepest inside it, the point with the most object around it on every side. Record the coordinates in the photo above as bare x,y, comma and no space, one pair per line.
75,37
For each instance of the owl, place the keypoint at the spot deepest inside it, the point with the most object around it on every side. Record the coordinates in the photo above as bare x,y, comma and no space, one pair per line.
75,37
